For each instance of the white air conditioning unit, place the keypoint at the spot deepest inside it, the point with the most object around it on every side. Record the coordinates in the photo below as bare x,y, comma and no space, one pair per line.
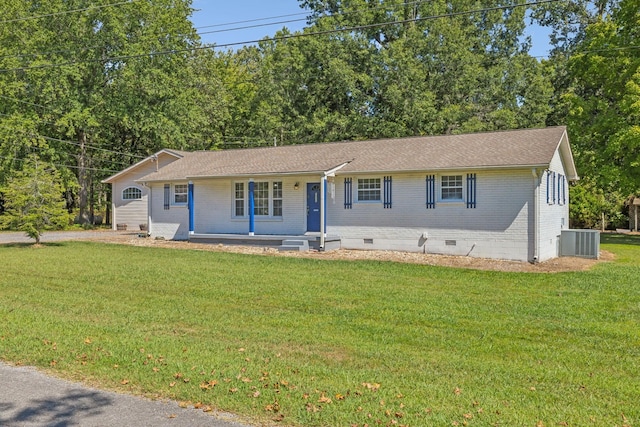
580,243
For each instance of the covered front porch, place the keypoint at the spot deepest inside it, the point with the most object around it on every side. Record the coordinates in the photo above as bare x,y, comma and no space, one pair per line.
307,241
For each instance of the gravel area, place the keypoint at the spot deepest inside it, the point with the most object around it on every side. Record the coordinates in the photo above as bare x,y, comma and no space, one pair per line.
561,264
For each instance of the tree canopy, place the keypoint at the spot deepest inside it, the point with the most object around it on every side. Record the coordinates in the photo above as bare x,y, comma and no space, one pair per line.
94,86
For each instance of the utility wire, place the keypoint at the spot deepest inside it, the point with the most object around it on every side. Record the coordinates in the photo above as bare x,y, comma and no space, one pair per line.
15,159
282,38
65,12
357,11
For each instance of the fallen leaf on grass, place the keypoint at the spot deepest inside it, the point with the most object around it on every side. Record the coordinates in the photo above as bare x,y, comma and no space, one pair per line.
324,399
87,340
274,407
313,408
124,382
371,386
171,416
278,418
207,409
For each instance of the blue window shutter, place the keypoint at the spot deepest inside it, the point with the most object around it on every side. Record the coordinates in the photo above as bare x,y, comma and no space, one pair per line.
387,192
348,195
553,188
167,196
471,191
548,187
564,191
431,191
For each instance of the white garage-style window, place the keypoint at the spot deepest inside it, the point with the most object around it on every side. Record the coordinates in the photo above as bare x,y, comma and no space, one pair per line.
131,193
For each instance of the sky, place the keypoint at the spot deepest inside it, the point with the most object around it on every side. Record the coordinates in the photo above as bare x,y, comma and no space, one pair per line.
214,20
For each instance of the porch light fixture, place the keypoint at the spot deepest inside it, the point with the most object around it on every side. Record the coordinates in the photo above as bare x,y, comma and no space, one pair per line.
296,185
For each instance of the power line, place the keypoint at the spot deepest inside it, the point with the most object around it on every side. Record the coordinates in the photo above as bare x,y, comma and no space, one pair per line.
282,38
357,11
14,159
65,12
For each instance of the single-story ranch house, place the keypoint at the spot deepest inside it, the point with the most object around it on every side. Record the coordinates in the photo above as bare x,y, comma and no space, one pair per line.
495,194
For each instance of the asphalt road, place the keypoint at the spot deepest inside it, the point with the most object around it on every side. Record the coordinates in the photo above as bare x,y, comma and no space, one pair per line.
29,398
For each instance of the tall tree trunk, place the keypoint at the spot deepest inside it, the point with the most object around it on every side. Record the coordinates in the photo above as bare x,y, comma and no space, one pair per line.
83,180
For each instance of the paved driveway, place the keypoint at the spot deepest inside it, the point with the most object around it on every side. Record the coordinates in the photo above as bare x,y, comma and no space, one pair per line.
29,398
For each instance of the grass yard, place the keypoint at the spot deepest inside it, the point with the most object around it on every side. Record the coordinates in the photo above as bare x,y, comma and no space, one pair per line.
308,342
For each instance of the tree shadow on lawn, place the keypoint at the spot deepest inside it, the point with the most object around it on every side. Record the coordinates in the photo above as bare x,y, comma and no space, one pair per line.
620,239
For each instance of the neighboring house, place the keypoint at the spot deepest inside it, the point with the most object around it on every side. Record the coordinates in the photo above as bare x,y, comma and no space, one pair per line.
496,194
129,197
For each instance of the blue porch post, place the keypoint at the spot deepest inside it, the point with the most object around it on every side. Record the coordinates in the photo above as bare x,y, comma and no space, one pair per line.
252,219
191,210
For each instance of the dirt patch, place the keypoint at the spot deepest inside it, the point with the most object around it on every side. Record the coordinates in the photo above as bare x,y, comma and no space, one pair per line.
563,264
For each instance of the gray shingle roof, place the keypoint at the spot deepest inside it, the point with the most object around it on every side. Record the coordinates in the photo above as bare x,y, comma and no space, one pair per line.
504,149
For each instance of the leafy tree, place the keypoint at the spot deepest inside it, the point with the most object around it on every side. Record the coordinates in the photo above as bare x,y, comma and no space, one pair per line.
33,200
107,84
604,102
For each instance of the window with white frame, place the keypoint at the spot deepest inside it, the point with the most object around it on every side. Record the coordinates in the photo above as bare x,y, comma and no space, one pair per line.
180,194
267,199
239,199
277,198
369,189
131,193
261,199
451,187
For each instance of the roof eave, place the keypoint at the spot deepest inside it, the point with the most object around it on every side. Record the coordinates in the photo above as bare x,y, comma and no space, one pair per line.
447,168
140,163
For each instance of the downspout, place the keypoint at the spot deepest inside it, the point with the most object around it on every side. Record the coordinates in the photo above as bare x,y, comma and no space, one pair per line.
323,203
252,219
191,205
536,214
149,207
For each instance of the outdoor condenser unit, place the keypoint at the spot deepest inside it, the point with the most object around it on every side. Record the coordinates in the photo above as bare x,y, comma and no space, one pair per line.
581,243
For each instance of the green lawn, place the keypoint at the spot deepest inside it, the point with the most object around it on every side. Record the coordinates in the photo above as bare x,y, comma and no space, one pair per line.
332,343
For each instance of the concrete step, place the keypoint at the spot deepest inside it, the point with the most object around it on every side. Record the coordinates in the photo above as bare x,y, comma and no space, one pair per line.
294,245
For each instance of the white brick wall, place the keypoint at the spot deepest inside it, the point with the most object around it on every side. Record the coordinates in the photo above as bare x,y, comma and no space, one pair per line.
169,224
553,216
498,227
501,225
214,201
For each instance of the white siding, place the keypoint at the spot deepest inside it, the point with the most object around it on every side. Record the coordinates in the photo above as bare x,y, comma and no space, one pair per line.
172,223
134,212
498,227
554,216
214,210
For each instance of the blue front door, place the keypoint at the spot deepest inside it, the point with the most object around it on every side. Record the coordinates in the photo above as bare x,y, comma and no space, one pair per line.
313,206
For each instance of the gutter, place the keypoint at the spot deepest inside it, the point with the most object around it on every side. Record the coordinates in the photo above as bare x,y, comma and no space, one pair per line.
536,214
